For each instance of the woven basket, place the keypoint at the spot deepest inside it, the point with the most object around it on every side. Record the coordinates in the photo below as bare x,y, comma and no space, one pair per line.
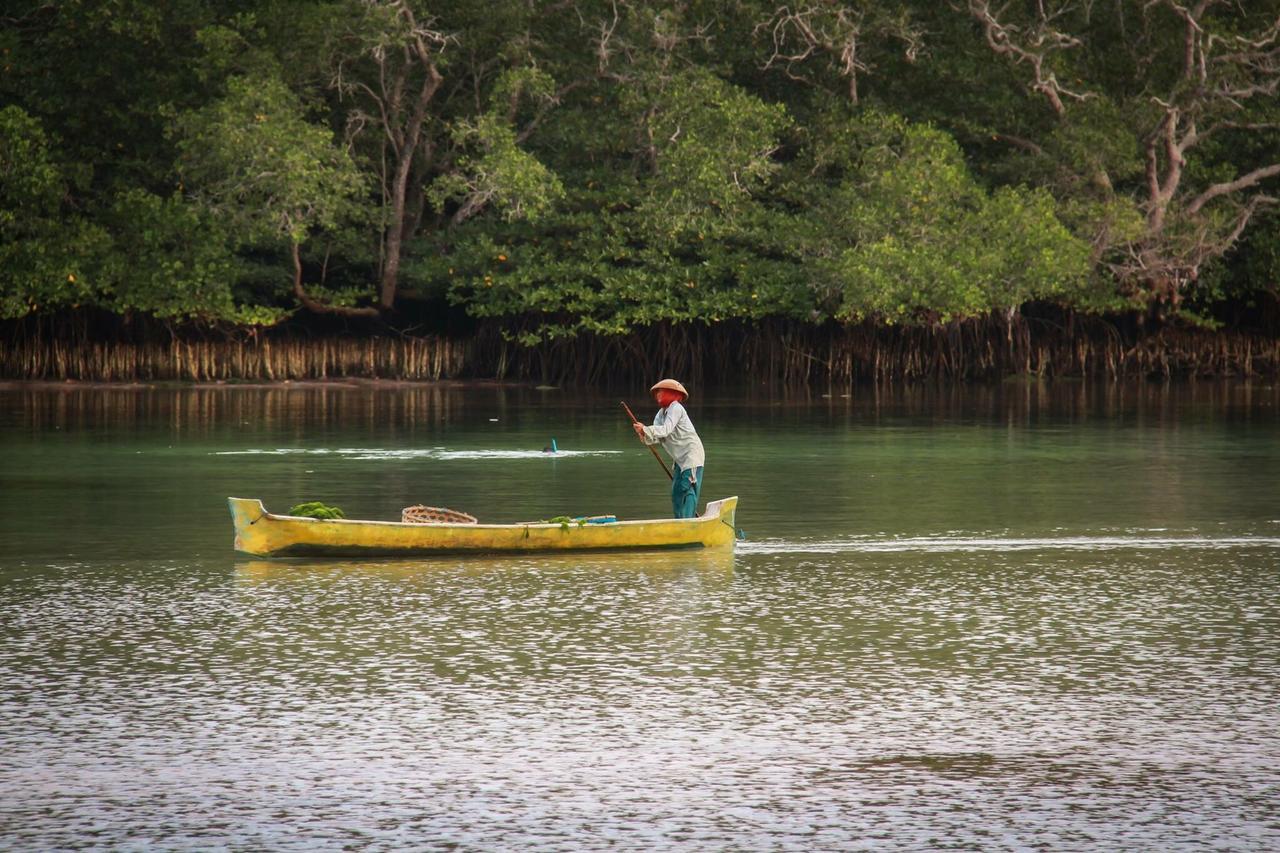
434,515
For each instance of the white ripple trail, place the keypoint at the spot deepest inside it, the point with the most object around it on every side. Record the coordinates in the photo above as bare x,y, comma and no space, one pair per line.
959,544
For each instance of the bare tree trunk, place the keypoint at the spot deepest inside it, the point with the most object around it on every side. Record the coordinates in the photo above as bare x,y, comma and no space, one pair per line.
399,187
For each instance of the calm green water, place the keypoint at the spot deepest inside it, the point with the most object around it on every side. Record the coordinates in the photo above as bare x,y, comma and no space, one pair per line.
981,618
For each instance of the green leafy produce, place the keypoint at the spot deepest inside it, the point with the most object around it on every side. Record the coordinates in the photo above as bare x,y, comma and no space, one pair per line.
564,521
316,509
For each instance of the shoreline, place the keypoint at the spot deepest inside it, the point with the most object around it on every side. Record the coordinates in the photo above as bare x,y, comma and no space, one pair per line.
1264,382
781,354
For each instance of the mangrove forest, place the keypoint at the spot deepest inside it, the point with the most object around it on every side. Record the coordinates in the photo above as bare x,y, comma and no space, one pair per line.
595,190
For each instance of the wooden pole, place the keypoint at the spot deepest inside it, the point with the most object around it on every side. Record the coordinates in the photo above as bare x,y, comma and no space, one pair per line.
652,449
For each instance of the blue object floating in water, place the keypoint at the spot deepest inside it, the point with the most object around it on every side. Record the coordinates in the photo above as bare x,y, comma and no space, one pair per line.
554,449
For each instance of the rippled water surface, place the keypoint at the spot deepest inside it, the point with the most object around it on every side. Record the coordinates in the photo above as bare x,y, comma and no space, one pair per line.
1021,617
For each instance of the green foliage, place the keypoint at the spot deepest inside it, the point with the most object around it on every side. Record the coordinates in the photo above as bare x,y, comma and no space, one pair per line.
712,146
692,240
925,242
170,259
266,177
1100,143
254,162
493,172
498,175
607,271
1260,258
231,50
316,509
47,253
597,167
31,183
161,256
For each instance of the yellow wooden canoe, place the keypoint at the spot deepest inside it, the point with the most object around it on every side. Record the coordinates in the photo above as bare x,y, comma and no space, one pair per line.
262,534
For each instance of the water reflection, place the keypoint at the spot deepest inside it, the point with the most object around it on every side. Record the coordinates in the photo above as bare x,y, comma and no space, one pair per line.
542,565
198,409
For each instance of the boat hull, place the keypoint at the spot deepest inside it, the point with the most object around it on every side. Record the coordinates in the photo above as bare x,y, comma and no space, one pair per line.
261,534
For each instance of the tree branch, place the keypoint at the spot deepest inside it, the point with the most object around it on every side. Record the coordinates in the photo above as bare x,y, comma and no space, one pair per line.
1243,182
1041,43
318,307
833,29
545,109
1018,142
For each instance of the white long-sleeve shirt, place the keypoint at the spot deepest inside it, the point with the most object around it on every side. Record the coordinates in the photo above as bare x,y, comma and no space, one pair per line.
674,432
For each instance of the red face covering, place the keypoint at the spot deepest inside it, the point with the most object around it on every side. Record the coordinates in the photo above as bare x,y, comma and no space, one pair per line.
665,397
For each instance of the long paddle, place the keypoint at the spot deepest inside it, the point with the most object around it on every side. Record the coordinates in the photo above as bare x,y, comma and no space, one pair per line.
652,449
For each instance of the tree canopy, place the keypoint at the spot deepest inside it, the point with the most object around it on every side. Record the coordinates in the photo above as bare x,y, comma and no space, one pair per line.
592,166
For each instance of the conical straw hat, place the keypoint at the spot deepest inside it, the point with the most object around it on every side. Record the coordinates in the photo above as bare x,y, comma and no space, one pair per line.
672,385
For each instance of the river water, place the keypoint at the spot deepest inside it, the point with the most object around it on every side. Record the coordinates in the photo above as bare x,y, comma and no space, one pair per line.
985,618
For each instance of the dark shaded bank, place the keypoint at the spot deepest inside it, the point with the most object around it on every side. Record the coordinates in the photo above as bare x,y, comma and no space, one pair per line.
775,352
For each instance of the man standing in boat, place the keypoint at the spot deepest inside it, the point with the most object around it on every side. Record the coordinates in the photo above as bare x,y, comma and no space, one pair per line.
673,430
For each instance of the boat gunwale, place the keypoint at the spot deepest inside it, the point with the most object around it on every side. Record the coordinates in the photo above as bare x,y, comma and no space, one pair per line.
718,504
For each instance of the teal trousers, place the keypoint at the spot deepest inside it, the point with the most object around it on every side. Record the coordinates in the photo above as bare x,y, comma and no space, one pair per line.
686,488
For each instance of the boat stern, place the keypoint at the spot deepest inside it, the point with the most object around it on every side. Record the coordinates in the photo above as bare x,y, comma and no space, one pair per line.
245,513
726,510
